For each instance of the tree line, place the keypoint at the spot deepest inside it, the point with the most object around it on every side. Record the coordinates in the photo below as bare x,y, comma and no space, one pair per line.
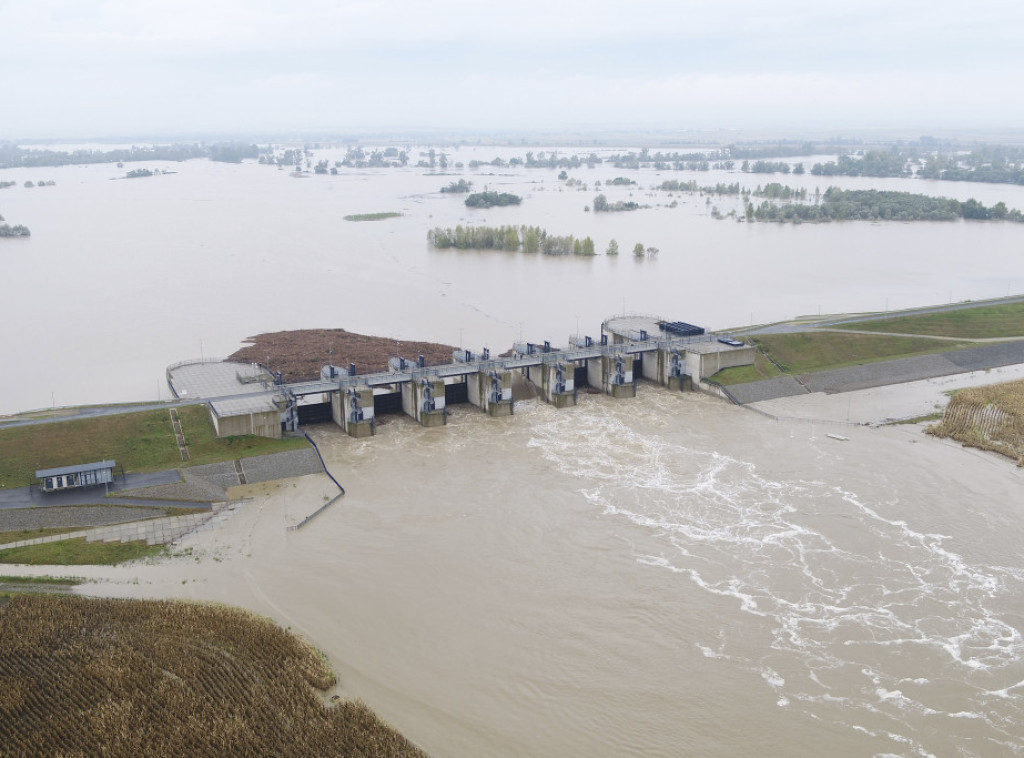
529,239
878,163
997,164
459,187
491,199
767,167
13,156
842,205
6,230
601,205
773,190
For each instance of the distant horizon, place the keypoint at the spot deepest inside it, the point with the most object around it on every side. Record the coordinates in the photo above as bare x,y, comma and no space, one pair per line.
583,138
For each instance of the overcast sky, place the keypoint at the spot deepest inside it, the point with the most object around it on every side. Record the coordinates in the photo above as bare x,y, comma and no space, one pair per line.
78,68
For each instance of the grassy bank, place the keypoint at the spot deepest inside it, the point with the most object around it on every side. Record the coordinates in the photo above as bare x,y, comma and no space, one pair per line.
83,676
12,586
806,352
142,441
817,351
78,552
32,534
981,322
763,368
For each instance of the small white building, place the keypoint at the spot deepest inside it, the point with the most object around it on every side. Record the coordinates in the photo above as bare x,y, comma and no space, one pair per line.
73,477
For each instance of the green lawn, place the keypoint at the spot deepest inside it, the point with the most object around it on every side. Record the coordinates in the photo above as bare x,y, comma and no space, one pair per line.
32,534
817,351
205,447
142,441
987,321
762,369
80,553
60,581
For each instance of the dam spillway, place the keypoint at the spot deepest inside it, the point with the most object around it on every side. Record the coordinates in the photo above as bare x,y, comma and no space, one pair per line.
251,399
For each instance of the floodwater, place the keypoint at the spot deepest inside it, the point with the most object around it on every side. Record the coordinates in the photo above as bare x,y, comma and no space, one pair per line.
123,277
663,576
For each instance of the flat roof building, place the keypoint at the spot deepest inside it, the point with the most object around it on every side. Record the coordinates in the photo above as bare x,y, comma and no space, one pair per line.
72,477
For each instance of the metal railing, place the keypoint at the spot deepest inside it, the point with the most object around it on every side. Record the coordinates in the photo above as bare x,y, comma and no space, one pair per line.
413,372
191,361
342,380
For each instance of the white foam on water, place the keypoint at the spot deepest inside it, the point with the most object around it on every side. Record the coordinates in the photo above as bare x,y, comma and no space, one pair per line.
772,677
967,715
783,551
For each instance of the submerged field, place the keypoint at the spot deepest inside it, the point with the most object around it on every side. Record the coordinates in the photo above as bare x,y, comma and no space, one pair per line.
989,418
128,678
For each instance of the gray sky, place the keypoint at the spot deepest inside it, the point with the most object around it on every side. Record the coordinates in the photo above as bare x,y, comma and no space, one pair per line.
120,67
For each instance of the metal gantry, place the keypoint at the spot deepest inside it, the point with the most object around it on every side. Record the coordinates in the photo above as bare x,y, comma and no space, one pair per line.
335,379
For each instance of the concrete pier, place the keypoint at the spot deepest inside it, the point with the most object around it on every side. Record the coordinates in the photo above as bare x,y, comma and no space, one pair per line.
613,373
667,367
423,400
556,382
491,391
352,410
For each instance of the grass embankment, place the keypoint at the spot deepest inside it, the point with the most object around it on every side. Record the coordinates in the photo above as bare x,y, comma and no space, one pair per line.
78,552
989,418
11,586
81,676
806,352
47,580
140,442
32,534
762,369
981,322
372,216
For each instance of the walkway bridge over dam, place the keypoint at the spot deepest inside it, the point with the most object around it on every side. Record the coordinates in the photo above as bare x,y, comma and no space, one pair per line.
673,354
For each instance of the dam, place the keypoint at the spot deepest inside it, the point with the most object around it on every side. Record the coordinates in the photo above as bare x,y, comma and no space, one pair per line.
251,399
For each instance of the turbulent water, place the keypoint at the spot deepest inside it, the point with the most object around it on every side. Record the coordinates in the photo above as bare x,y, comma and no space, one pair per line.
674,576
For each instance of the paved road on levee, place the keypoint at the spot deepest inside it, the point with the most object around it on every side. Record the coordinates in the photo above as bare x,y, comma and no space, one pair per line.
786,327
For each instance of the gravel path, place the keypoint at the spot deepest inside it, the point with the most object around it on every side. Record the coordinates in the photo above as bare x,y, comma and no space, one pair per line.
73,516
199,483
766,389
265,468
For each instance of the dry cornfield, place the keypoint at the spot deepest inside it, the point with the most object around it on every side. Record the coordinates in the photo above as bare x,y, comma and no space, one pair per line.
89,677
990,418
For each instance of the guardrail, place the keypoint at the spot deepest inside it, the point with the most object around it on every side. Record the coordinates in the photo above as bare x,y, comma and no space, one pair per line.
190,361
329,503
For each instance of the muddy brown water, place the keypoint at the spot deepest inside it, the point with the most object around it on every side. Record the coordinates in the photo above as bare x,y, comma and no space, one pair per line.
663,576
659,577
